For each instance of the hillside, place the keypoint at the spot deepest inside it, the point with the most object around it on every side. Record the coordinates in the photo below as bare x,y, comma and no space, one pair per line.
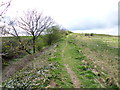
76,61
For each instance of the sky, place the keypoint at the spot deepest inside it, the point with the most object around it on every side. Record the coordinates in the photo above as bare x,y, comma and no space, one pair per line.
79,16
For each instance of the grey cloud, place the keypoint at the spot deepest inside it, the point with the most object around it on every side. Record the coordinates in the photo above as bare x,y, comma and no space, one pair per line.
108,21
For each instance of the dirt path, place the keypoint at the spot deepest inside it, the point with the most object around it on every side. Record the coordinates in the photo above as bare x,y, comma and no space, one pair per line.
72,74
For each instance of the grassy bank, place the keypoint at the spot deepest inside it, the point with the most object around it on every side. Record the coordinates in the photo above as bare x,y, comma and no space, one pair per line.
92,59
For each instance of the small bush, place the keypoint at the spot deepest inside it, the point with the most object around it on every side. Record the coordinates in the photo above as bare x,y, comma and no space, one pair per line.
53,34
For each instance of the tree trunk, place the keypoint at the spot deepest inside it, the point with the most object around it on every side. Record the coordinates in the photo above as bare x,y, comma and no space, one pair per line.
33,44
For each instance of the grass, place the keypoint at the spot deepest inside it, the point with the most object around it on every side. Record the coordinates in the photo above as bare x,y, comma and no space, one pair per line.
94,59
101,53
40,72
74,57
64,80
13,50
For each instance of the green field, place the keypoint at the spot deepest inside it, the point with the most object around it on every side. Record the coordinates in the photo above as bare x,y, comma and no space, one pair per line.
75,61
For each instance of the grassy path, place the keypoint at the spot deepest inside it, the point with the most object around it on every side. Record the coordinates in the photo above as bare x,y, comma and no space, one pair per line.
76,64
72,74
75,61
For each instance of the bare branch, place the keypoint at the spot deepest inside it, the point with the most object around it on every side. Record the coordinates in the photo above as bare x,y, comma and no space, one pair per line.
6,4
33,24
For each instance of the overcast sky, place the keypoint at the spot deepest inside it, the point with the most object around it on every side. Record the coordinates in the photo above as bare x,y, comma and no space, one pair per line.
92,16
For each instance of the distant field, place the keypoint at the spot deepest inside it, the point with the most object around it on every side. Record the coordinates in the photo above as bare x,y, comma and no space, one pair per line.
102,52
91,60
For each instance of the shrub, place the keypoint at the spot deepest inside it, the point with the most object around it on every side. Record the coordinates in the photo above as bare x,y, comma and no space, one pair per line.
53,34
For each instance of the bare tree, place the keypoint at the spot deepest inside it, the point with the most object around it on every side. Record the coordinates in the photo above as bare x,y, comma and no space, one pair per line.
10,28
32,24
4,7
